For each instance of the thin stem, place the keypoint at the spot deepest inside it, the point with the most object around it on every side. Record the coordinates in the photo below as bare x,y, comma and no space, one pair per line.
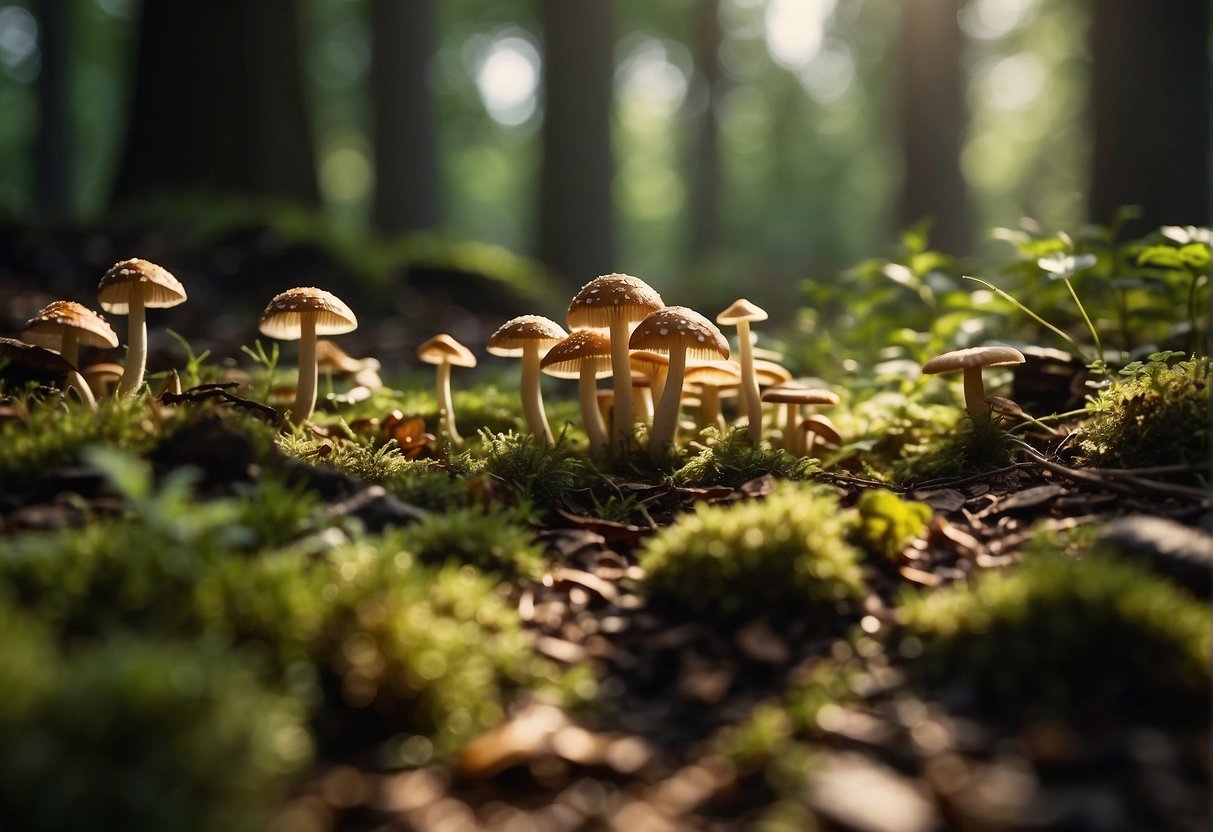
532,396
305,385
1083,310
791,440
665,417
621,383
975,394
749,384
446,410
591,417
136,349
1059,332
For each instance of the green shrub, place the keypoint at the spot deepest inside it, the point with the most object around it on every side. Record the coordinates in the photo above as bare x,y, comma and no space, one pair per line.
490,539
786,555
1066,638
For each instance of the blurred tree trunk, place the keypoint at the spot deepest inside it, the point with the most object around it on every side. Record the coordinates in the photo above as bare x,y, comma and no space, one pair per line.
53,150
406,147
705,146
218,102
931,91
1151,95
576,215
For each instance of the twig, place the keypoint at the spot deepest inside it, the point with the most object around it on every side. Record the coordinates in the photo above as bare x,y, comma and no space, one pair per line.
1123,485
945,482
843,479
220,391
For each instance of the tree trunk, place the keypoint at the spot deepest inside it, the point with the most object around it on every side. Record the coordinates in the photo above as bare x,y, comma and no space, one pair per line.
705,146
576,215
406,146
1151,96
53,152
931,90
218,102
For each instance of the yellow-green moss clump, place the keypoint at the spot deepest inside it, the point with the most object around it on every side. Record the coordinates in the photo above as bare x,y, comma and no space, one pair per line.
1159,415
1089,640
887,522
786,556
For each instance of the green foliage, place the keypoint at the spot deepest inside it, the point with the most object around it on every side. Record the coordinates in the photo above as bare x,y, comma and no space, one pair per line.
887,522
786,556
731,459
1157,414
536,473
1079,639
492,539
145,736
973,447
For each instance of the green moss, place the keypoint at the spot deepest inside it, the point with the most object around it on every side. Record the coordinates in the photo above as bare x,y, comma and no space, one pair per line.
1085,639
490,538
971,447
1156,415
786,555
887,522
536,473
732,459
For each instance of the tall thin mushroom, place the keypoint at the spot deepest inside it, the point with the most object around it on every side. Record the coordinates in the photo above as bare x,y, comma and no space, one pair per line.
615,302
302,314
680,332
443,351
586,356
129,288
528,337
740,314
64,326
713,378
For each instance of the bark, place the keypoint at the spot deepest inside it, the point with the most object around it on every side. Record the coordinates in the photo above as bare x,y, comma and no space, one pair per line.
53,149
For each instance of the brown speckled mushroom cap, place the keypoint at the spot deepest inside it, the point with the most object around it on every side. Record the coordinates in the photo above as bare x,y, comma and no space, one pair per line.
511,337
47,328
741,310
160,289
20,361
677,327
610,297
282,318
646,361
443,349
799,395
994,356
564,360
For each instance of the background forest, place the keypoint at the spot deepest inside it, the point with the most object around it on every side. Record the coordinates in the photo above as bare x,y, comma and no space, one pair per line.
688,142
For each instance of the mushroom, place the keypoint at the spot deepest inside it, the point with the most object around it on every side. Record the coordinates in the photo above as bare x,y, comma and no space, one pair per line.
614,302
102,377
740,314
971,361
713,379
653,367
333,360
681,332
586,356
792,398
64,325
302,314
128,288
528,336
21,363
442,351
820,427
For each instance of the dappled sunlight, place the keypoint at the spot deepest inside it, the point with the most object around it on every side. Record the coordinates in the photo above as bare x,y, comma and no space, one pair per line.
507,77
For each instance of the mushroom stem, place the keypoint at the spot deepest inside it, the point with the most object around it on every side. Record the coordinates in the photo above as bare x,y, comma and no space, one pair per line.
657,383
76,382
709,409
665,417
749,383
70,350
136,349
621,383
532,396
446,410
791,431
591,417
644,403
305,386
975,394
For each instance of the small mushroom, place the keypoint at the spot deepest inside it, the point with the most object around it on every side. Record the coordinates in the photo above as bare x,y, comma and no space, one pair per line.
586,356
680,332
971,361
102,377
21,363
653,367
713,379
528,337
443,351
333,360
615,302
818,427
740,314
128,288
792,398
65,325
301,314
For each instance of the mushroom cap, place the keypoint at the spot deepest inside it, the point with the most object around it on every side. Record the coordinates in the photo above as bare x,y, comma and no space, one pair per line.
799,395
283,317
715,374
330,358
610,297
677,327
646,361
770,373
47,328
20,361
565,358
512,337
823,427
159,288
443,349
741,310
993,356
